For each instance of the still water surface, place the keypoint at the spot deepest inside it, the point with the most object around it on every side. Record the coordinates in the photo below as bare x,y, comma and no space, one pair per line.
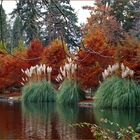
51,121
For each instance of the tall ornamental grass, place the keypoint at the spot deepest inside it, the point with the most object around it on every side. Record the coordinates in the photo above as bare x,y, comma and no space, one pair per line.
70,93
117,93
42,91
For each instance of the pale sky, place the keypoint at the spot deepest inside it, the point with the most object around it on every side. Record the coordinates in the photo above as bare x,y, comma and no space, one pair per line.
9,5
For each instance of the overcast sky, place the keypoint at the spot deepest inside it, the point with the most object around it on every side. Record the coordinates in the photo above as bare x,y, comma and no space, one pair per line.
9,5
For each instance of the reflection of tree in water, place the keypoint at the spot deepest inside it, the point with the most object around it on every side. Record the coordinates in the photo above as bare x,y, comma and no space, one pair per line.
86,115
41,121
51,121
68,113
10,121
74,114
38,120
124,118
42,110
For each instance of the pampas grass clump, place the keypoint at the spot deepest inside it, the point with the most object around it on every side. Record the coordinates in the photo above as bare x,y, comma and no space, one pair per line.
116,92
70,93
39,92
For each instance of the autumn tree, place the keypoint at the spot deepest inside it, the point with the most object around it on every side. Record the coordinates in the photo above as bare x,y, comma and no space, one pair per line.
54,55
128,53
34,52
101,18
125,12
94,58
10,70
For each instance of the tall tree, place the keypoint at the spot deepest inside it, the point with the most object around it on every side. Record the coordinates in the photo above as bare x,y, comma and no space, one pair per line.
102,19
17,32
126,12
136,23
61,22
26,10
4,34
49,20
123,11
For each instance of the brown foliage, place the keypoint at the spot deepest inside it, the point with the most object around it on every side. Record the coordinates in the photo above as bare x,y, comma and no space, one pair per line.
101,18
10,70
129,54
54,55
94,58
34,52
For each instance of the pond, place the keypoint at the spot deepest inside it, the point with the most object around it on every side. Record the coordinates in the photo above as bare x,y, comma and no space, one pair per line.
52,121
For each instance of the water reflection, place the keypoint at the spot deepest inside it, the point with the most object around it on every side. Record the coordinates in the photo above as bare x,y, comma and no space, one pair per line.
68,113
37,120
51,121
124,118
40,110
10,121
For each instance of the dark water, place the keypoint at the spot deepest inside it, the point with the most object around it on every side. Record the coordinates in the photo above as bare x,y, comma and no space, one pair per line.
51,121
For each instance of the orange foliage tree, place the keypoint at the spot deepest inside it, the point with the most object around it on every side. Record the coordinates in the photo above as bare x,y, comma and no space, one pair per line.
10,70
101,18
10,65
102,34
128,52
96,56
34,52
54,55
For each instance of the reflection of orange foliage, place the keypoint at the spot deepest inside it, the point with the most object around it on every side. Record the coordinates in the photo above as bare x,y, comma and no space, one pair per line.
11,122
54,55
34,52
